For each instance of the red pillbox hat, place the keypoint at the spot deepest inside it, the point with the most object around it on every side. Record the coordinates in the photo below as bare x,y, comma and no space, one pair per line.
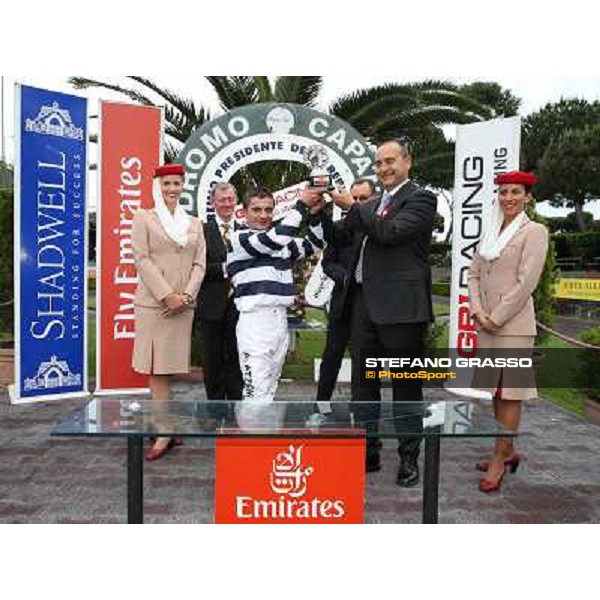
170,169
518,177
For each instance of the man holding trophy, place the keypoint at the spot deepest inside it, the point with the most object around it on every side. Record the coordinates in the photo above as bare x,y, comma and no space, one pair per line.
259,265
392,297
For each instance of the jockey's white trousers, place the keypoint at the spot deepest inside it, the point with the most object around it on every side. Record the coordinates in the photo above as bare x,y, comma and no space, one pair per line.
263,339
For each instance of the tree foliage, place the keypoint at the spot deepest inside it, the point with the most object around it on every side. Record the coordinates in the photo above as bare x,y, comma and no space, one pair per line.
419,110
6,260
551,122
501,102
543,297
569,169
569,223
561,144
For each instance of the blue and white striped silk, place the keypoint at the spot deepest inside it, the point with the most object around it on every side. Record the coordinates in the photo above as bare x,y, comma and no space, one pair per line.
259,263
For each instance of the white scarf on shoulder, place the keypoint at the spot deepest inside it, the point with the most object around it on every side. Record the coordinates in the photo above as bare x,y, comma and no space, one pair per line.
176,225
493,242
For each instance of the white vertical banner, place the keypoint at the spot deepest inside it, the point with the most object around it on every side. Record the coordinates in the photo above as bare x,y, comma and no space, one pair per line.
482,151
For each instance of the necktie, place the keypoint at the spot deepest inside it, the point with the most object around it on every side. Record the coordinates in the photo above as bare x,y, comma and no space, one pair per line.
383,205
358,270
225,236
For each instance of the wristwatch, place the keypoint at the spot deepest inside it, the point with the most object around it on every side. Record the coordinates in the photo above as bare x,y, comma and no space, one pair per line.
187,299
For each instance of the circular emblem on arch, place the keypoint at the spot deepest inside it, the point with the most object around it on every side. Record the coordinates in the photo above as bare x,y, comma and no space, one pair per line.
263,132
280,120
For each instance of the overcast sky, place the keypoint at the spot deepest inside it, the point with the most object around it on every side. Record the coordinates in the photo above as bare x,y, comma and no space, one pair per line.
535,92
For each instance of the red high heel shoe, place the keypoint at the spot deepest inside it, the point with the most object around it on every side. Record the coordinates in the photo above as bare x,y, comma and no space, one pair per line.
491,485
156,453
512,464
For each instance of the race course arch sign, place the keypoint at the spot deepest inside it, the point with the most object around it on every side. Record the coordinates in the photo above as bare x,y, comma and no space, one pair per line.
263,132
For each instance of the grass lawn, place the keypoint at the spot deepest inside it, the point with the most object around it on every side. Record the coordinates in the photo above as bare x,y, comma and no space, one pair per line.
310,344
570,399
441,309
299,366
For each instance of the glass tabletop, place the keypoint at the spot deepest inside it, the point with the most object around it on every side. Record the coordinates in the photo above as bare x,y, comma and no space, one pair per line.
299,418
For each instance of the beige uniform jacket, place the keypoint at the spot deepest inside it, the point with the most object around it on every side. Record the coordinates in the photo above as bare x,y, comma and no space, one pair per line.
164,266
503,288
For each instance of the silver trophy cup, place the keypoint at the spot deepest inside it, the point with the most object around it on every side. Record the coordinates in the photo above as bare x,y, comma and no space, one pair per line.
317,159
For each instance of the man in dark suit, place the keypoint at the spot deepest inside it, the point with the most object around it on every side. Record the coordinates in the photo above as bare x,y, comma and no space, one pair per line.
392,301
339,263
216,310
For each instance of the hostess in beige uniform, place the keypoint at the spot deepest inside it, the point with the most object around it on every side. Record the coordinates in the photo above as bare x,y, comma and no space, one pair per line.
169,251
502,288
163,343
502,278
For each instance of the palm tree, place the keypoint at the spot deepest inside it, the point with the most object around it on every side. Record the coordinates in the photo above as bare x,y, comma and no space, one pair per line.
418,110
182,116
393,110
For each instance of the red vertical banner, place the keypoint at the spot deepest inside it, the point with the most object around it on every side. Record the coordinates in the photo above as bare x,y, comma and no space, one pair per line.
130,148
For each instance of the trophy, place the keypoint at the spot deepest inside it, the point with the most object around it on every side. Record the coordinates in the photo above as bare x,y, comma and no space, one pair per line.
317,159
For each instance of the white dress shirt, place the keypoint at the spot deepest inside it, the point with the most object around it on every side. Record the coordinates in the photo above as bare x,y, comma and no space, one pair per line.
358,274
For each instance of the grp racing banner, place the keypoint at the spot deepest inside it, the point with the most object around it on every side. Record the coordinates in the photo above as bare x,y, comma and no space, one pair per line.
50,245
482,151
130,148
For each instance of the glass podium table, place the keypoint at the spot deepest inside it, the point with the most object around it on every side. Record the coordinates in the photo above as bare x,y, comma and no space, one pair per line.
135,420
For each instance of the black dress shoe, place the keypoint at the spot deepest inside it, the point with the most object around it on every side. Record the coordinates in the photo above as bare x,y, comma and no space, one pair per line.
373,463
408,472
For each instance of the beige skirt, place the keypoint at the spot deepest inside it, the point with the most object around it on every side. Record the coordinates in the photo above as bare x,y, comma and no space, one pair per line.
516,384
162,345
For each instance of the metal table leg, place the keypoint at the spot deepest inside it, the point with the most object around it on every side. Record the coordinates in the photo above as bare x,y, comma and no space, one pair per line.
135,479
431,479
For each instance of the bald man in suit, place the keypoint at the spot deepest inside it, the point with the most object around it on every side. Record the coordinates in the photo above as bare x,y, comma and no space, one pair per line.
392,299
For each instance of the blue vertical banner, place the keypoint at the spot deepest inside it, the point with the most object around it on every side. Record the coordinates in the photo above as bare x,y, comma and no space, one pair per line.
50,245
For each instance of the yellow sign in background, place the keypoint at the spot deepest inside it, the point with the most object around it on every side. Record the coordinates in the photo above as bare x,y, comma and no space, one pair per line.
578,289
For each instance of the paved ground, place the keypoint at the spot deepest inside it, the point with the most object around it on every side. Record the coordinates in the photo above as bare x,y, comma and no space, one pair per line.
50,480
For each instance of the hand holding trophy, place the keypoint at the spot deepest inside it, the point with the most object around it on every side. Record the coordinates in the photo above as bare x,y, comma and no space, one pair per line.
319,180
317,159
313,198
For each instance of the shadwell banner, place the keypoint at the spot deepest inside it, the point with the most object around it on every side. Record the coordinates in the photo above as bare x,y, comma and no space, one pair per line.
50,245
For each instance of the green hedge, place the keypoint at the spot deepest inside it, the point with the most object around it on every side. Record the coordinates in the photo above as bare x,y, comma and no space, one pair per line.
591,361
6,261
591,336
441,288
573,245
439,254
